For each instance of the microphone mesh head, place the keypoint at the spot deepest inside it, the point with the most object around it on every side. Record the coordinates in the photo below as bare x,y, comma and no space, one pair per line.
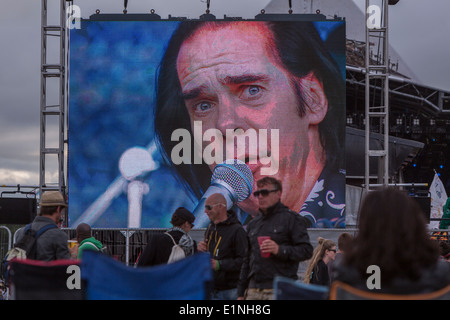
237,174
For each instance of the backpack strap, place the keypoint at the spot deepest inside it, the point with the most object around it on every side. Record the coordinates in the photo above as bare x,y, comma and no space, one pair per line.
174,243
90,243
27,228
45,228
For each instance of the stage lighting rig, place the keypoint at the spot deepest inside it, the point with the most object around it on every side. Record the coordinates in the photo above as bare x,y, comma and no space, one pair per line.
398,127
416,129
208,16
125,5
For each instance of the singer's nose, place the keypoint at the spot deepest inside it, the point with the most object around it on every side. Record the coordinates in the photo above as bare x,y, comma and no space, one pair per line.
228,117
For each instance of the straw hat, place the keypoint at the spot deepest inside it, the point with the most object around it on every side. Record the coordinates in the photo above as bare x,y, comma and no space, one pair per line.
52,199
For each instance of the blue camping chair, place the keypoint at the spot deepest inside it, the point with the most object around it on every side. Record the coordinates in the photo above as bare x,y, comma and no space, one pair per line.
288,289
41,280
108,279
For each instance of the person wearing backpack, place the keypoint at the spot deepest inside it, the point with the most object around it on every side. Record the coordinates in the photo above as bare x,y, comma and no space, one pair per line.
159,247
86,241
51,244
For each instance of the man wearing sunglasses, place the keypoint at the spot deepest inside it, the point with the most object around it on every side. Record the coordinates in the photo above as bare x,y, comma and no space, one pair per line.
226,241
288,244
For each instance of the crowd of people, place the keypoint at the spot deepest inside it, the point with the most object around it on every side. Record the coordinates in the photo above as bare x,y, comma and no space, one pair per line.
244,267
246,259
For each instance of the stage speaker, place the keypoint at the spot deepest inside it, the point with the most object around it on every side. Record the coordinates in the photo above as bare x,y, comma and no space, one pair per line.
425,204
17,210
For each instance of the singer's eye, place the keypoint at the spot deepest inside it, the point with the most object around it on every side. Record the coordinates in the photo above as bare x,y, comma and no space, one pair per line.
251,92
202,107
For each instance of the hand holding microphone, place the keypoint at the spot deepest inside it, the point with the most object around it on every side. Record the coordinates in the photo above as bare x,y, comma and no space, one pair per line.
233,179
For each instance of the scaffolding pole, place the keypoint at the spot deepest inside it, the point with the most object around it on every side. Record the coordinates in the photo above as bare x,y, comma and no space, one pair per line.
53,70
377,101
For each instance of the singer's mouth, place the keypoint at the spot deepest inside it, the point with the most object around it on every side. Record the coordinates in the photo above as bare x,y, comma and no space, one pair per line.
254,162
254,158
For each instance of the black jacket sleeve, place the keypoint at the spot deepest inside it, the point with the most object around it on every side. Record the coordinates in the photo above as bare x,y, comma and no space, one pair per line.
300,248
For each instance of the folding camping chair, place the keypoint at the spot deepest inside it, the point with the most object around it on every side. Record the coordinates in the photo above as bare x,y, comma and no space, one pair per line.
39,280
108,279
343,291
288,289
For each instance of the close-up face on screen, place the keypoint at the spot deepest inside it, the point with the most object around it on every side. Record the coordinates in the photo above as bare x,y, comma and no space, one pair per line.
158,107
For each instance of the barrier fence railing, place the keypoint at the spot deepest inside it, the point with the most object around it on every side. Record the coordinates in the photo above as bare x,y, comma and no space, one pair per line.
125,244
5,240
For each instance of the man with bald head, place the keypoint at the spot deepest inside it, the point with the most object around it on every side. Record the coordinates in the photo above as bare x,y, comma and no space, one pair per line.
226,241
86,240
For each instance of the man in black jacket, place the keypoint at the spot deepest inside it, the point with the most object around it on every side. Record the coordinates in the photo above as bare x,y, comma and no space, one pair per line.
288,244
226,241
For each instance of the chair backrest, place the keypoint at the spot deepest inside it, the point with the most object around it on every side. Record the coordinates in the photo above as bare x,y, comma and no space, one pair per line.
108,279
288,289
40,280
344,291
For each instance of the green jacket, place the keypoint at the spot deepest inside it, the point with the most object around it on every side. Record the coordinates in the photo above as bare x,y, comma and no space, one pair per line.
446,214
89,244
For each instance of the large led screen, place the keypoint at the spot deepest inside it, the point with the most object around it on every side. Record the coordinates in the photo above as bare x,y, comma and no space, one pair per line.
164,113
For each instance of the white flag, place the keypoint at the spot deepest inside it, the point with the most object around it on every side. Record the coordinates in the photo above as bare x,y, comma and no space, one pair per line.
438,199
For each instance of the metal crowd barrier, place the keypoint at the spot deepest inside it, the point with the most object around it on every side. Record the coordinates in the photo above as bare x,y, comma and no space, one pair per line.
125,244
5,240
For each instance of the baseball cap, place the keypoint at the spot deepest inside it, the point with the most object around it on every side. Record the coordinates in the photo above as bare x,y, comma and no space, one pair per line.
52,199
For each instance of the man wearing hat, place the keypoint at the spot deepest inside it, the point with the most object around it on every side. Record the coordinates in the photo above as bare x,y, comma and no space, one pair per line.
159,246
52,244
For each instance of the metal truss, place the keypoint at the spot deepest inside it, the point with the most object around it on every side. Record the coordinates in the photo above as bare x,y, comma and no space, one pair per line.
53,115
377,102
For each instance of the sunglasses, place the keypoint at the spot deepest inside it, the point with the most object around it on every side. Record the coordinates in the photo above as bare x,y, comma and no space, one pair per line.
263,192
209,207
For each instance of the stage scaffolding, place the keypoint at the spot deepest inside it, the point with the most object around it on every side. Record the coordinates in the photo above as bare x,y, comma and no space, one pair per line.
377,102
60,71
374,76
53,108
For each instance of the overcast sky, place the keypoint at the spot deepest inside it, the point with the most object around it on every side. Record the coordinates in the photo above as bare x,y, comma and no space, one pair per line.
419,32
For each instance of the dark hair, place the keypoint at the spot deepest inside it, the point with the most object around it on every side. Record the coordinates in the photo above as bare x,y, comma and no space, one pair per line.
177,221
83,231
392,235
301,51
345,241
270,180
444,248
47,211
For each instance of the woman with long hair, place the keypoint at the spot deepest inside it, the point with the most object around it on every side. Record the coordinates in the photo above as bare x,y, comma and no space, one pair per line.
393,236
317,271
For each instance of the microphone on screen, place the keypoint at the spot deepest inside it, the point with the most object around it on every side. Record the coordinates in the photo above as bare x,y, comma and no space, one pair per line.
233,179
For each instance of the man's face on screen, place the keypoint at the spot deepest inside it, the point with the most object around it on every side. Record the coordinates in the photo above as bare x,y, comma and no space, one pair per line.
231,79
